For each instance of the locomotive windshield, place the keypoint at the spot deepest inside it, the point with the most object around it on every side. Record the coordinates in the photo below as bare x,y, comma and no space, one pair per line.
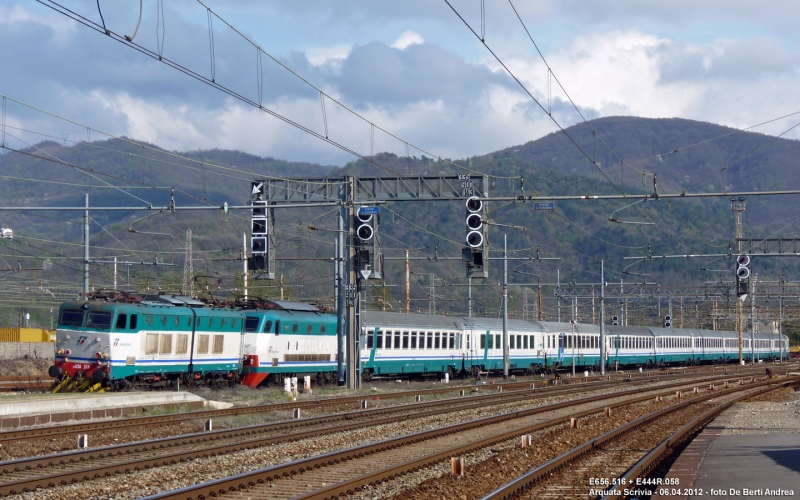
71,317
251,323
99,319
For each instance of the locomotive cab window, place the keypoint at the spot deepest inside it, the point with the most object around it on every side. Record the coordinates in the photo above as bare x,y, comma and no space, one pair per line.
99,319
122,321
268,326
72,317
308,329
295,327
251,323
134,318
322,329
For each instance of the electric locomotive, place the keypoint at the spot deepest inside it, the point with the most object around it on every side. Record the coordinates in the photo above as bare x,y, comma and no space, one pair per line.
288,338
116,340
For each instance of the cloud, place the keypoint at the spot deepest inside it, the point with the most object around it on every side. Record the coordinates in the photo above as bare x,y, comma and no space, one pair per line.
433,85
407,38
735,60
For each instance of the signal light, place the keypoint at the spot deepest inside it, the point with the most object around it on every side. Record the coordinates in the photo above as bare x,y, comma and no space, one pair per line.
614,320
364,232
474,222
743,273
474,239
667,321
743,260
474,204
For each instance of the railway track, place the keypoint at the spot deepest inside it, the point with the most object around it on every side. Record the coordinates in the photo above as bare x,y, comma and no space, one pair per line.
341,472
63,468
24,383
608,456
62,430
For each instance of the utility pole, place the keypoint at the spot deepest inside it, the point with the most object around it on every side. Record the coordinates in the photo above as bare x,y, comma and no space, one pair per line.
244,265
353,327
541,312
602,318
738,327
86,248
408,285
469,294
780,318
558,299
341,324
506,360
753,318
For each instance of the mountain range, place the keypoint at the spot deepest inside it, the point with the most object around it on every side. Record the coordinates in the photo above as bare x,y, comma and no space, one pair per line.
614,155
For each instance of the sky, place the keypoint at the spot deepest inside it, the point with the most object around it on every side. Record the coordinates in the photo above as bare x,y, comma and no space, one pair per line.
414,69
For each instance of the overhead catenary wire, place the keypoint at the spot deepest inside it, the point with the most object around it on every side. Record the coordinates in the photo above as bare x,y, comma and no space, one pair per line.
538,103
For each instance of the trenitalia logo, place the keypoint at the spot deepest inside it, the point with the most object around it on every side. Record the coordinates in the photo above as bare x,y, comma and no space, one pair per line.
82,340
116,341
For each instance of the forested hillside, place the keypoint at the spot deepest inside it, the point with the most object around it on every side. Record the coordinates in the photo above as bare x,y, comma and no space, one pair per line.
685,155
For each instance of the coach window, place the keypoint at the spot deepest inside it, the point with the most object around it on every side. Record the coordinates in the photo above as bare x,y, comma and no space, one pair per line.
397,339
405,340
525,342
370,341
122,321
510,341
482,341
437,340
379,341
413,340
151,343
134,317
452,340
429,344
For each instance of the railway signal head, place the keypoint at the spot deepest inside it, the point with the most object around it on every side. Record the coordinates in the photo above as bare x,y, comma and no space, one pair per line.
262,232
667,321
368,258
614,320
742,275
476,251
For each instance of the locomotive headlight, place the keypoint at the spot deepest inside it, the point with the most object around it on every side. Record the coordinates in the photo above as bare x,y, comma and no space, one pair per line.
60,352
105,355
